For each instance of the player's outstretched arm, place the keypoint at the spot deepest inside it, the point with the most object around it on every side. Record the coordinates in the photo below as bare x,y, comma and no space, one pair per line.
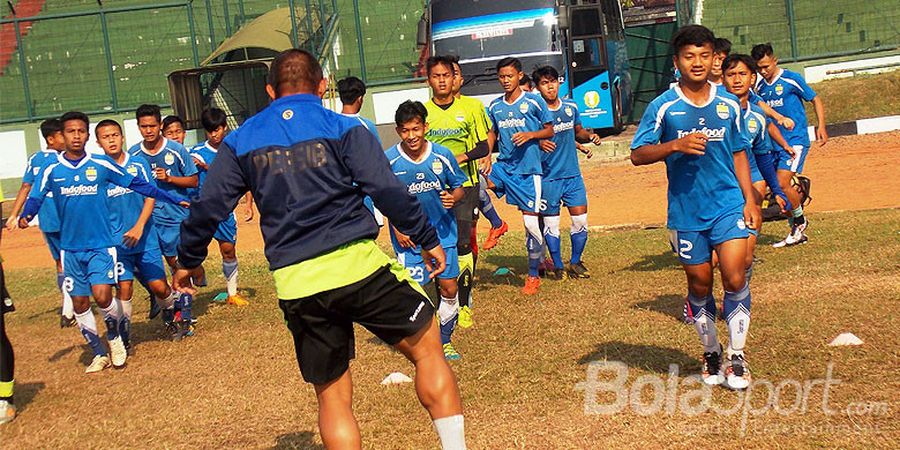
369,168
781,119
133,236
584,136
821,132
778,138
19,202
766,164
148,190
752,214
182,182
225,185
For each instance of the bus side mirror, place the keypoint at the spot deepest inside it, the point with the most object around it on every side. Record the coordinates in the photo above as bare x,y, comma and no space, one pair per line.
563,19
422,33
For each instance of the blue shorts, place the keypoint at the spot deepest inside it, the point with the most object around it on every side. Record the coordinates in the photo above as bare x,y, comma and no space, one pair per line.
695,247
522,191
147,264
53,243
414,263
755,174
795,164
85,268
564,191
169,237
227,230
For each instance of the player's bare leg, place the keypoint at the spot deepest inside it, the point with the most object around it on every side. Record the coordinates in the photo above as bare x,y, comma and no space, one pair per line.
337,425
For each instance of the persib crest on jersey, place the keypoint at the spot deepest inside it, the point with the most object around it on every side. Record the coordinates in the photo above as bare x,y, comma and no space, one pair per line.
722,111
568,111
132,170
460,118
752,126
779,89
592,99
437,167
91,173
170,159
523,108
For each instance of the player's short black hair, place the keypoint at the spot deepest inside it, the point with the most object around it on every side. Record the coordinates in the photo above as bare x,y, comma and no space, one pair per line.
108,123
733,59
148,111
294,69
50,127
692,35
509,62
408,111
75,115
760,51
722,45
437,60
213,118
169,120
350,89
525,80
548,72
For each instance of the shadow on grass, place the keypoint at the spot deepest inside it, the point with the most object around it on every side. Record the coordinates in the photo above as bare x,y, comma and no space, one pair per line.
648,357
55,311
25,393
60,353
298,440
649,263
517,264
668,305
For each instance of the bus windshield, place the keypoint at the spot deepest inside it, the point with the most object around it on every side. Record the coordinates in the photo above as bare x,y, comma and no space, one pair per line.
494,29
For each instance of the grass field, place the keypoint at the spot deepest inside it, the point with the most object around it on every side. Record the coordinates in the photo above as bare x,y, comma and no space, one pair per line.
236,383
860,97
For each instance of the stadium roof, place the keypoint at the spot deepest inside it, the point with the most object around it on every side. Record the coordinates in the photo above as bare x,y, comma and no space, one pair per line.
264,37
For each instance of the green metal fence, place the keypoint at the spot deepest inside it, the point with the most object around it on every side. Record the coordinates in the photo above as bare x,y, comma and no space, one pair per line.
801,29
113,55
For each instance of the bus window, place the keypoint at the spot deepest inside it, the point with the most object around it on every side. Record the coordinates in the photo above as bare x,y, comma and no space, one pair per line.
586,22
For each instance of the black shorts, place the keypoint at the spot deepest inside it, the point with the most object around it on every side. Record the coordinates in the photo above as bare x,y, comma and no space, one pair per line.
6,304
466,212
322,324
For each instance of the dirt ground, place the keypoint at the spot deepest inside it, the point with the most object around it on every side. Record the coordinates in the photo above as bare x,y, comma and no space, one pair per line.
849,173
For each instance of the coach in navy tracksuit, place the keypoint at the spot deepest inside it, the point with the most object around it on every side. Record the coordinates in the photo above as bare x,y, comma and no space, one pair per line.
308,169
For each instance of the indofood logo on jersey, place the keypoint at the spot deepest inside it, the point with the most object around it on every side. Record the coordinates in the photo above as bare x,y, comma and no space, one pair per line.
444,132
779,89
80,189
512,122
775,103
91,173
714,134
437,167
563,126
424,186
116,191
722,111
752,126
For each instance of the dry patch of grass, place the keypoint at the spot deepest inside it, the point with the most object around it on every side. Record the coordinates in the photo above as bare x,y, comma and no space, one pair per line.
236,383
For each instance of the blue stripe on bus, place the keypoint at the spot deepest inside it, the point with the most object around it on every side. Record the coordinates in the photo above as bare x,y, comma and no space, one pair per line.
493,19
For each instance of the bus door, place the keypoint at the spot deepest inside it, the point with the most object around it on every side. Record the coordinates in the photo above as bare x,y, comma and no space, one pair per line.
588,71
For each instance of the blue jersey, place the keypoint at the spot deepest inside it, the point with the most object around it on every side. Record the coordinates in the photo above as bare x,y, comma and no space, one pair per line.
205,154
125,207
756,133
178,163
47,216
563,162
702,188
368,124
79,193
437,171
528,113
786,94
